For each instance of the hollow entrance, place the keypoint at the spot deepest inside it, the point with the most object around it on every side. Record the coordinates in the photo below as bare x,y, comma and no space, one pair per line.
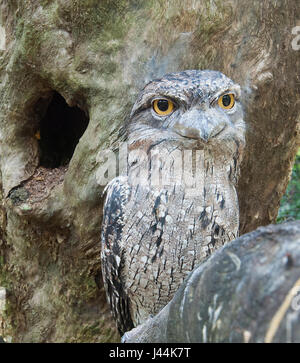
59,132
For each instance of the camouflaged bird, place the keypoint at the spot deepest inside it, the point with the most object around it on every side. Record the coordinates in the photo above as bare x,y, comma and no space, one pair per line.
177,202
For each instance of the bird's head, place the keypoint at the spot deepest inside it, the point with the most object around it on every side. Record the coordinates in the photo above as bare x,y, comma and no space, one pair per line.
193,108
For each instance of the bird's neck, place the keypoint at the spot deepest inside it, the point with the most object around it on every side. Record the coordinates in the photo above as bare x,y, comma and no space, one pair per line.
166,165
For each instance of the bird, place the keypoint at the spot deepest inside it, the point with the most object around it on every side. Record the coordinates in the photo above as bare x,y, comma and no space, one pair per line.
188,126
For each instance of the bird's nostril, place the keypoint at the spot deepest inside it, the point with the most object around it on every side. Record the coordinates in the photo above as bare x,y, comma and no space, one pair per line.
189,132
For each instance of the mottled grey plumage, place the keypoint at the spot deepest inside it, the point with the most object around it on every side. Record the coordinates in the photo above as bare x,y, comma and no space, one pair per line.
155,232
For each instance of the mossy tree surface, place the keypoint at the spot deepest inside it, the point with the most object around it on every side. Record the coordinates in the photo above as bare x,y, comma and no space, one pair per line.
290,202
96,55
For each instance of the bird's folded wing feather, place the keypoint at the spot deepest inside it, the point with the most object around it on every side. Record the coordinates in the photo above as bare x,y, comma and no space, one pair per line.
112,257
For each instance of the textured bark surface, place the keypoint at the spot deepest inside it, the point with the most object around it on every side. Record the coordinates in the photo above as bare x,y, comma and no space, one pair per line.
97,55
253,296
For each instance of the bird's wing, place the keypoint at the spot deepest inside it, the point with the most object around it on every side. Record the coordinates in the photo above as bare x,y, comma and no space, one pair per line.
117,194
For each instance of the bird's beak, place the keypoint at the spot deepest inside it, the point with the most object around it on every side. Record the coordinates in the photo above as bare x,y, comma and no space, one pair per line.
198,124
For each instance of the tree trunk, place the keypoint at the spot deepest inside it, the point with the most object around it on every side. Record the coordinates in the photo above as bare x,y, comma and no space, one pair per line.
95,56
253,296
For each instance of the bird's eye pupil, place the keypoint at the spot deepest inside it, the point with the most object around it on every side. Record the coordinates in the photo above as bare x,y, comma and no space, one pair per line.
163,105
226,100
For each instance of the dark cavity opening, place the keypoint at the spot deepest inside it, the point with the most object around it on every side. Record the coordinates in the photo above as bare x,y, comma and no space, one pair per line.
59,131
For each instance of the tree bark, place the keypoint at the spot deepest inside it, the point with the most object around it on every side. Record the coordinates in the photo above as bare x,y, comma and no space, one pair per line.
97,55
248,291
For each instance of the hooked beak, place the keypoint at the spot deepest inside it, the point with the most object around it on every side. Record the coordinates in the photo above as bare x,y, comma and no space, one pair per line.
200,125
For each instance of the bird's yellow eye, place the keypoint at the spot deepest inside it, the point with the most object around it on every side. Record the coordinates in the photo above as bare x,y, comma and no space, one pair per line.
226,101
163,107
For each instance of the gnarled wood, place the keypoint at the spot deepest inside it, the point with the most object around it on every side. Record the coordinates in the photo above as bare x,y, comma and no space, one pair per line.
248,291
